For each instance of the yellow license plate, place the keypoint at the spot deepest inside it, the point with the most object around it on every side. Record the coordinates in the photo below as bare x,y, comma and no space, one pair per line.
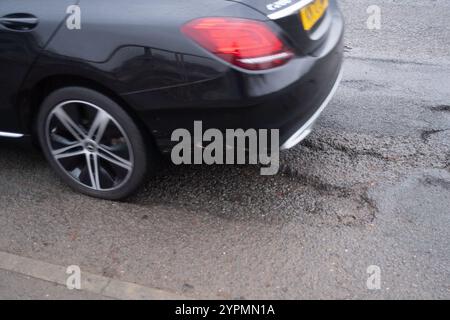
312,13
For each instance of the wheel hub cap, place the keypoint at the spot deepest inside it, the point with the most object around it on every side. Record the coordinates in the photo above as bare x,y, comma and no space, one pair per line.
90,146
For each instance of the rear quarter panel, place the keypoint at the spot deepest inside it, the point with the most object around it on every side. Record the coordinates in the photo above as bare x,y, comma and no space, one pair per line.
136,45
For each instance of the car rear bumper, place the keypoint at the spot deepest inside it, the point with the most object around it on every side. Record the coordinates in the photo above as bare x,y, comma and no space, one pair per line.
305,130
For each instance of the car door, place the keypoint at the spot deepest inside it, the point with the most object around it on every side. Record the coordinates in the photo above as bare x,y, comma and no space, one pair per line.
25,28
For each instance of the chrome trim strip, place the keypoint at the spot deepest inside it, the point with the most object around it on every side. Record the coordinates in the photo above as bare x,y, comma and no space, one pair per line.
260,60
306,129
10,135
289,10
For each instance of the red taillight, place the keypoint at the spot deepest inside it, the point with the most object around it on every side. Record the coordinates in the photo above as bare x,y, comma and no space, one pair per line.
245,43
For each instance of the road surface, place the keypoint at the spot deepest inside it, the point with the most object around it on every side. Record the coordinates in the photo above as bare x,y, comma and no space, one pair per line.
370,187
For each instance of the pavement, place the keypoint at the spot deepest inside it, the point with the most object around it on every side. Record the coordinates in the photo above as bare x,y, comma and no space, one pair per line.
370,187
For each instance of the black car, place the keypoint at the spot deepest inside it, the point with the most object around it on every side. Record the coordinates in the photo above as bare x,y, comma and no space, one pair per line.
102,84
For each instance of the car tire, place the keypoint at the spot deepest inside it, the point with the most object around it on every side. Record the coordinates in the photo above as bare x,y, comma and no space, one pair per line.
76,125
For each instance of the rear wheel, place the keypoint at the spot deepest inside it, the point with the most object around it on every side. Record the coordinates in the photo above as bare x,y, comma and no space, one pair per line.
92,143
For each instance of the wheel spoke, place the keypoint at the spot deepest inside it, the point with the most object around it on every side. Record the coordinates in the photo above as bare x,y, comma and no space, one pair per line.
68,155
67,151
96,172
93,170
61,140
115,159
99,126
69,124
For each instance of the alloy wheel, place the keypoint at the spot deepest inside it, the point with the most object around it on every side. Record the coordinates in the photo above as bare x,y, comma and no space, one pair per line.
89,145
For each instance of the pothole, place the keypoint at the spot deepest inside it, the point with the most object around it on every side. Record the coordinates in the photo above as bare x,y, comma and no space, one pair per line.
334,204
240,193
437,182
426,134
441,108
391,151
